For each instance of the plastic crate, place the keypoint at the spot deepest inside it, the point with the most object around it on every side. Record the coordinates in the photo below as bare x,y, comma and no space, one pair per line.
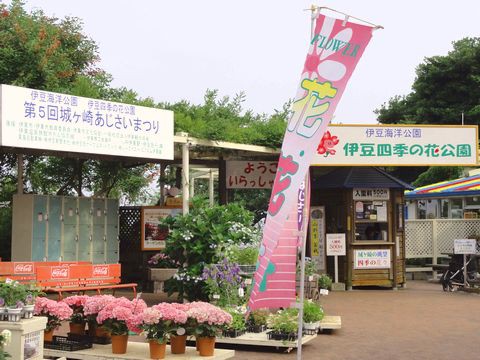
64,344
233,333
256,328
273,335
101,340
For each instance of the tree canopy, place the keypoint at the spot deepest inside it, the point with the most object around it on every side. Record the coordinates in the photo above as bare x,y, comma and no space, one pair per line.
53,54
444,88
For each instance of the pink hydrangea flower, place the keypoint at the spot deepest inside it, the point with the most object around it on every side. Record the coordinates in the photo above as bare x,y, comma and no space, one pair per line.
46,307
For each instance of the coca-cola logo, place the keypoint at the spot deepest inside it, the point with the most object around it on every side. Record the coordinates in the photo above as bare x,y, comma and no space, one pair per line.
60,272
100,270
23,268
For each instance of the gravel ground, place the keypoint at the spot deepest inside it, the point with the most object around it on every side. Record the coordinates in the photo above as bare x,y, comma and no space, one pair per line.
418,322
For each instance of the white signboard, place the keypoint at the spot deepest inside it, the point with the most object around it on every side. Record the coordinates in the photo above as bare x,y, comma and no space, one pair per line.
465,246
336,245
371,194
250,174
38,119
398,145
372,259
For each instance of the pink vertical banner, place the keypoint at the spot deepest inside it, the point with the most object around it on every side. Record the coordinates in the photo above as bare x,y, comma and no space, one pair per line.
335,49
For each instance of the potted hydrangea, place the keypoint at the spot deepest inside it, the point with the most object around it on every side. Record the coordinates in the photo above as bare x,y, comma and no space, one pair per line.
207,321
118,317
157,324
55,311
78,319
93,305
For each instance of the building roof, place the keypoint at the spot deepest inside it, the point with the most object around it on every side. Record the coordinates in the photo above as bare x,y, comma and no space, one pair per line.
358,177
459,187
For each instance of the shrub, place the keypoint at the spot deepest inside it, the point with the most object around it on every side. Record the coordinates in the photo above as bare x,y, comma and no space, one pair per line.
324,282
195,240
284,321
312,312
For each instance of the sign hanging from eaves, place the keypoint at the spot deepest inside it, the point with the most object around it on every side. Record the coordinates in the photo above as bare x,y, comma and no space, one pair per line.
37,119
398,145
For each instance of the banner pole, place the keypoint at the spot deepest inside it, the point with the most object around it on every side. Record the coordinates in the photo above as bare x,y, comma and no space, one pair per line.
303,235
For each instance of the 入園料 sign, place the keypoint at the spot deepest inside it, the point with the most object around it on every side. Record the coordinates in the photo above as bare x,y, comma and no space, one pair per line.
336,245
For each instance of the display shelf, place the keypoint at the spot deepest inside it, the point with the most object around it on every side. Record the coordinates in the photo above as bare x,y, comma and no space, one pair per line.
261,339
135,351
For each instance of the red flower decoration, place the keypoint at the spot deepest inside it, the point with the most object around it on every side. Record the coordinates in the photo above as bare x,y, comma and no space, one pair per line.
327,144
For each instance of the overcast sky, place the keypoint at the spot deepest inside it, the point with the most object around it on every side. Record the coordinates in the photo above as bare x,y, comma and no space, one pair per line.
173,50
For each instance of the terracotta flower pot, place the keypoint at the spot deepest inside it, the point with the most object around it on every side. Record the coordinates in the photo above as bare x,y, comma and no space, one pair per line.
206,346
48,335
77,328
92,328
157,350
178,344
100,331
119,344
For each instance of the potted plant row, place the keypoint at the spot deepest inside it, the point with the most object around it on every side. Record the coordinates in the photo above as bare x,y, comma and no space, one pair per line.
160,323
16,300
257,321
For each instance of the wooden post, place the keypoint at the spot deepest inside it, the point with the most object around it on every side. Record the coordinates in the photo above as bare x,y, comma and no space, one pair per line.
161,184
434,246
185,178
192,186
222,181
210,188
392,228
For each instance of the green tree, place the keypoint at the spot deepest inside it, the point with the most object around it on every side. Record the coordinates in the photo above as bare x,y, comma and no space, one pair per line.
42,52
438,173
445,87
225,119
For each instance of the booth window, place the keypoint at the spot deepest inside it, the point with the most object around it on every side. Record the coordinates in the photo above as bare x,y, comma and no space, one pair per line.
371,220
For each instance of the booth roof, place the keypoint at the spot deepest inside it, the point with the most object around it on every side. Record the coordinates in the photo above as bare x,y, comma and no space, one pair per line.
459,187
358,177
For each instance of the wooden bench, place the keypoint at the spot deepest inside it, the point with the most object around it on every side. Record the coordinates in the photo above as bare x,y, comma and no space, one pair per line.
420,269
439,267
25,271
81,278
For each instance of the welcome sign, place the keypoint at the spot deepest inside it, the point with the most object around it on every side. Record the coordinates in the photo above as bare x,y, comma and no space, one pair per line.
335,49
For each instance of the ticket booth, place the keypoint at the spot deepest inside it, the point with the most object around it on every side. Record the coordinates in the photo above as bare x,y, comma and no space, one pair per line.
365,204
